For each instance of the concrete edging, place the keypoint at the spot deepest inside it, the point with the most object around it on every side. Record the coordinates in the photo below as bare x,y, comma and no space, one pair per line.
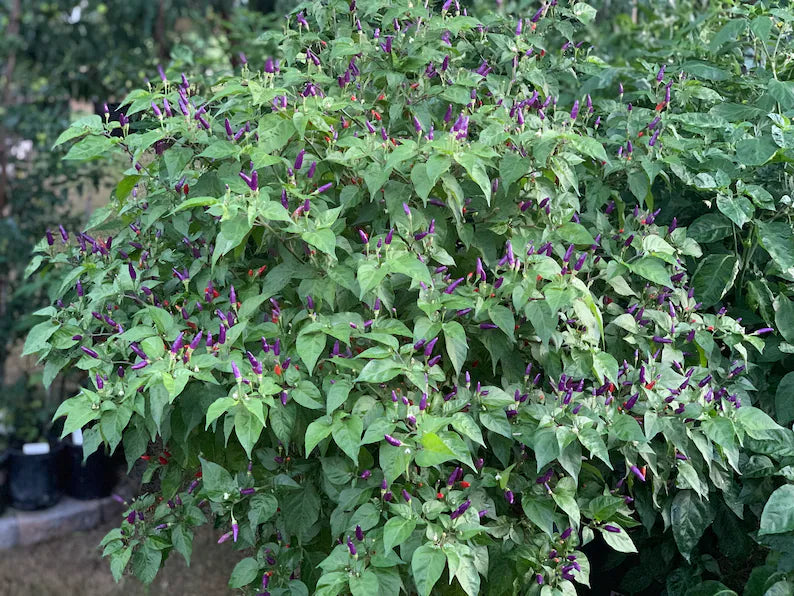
23,528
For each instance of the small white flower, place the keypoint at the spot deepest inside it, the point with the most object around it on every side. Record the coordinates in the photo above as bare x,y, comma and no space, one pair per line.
226,496
234,395
498,477
407,451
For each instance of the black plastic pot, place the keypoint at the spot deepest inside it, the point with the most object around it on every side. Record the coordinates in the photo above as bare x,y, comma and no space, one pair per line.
33,480
92,479
3,481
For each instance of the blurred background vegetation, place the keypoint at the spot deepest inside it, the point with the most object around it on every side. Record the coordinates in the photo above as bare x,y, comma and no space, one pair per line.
60,60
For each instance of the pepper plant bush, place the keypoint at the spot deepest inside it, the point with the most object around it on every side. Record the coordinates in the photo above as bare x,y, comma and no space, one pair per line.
378,308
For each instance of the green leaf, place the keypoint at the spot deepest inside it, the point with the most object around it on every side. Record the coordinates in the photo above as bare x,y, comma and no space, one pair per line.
456,344
587,145
370,274
585,13
441,447
89,148
379,371
347,434
575,233
777,238
690,516
540,511
219,149
782,92
714,588
309,347
511,168
504,319
244,573
38,337
592,440
118,562
784,318
435,451
625,428
436,166
364,584
464,424
316,432
397,530
605,367
620,541
412,267
421,180
688,478
546,447
710,227
182,539
738,209
729,32
778,514
714,277
247,427
231,234
652,269
784,399
261,507
756,151
337,395
217,408
475,168
146,562
175,160
564,494
496,421
330,584
375,177
393,461
427,565
403,152
79,411
80,127
216,479
324,240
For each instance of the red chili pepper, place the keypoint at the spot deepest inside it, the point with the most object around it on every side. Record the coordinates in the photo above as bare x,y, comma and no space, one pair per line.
146,457
162,460
464,484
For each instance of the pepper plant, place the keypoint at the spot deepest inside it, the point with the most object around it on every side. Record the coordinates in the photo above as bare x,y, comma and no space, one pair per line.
379,309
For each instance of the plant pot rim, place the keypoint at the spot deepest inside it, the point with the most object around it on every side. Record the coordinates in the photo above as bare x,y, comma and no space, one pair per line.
55,447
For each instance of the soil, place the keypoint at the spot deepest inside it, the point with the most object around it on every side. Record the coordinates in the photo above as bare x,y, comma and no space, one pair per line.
73,566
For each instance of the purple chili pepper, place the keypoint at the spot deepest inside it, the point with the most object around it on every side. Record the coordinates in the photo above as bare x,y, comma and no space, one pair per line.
575,110
89,351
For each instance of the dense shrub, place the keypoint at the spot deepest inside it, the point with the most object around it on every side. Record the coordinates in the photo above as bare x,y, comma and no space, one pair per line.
395,310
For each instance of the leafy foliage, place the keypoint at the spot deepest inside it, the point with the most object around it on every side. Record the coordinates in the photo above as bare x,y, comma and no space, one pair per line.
407,314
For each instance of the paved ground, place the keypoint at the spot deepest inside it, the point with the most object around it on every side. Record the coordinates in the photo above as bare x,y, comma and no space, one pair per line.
72,566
